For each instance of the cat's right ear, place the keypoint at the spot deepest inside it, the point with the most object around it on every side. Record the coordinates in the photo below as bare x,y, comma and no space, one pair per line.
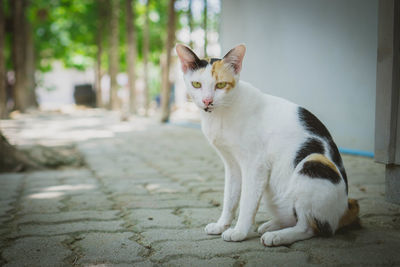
187,57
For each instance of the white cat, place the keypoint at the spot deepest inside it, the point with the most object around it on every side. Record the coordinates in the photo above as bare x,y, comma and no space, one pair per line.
270,147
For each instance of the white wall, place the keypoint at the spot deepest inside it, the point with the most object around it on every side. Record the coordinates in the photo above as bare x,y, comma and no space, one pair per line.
320,54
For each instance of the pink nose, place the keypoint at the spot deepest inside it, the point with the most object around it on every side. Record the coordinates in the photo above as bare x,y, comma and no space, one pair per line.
207,101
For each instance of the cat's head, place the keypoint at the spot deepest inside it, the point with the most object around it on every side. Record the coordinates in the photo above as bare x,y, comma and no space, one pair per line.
209,82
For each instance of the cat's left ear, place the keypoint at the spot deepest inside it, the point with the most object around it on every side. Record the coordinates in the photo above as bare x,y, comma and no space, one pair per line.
235,57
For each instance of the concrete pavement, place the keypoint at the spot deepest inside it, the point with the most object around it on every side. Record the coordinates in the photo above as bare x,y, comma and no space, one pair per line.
145,195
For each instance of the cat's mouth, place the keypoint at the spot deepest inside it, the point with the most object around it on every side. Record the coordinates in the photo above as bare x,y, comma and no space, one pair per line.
208,109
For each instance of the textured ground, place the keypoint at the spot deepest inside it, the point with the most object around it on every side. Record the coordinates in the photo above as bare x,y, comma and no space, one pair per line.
144,197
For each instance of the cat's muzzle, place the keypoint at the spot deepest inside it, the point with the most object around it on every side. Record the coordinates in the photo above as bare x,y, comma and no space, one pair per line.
209,108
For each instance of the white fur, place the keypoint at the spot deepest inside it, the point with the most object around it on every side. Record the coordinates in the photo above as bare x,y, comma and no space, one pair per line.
257,137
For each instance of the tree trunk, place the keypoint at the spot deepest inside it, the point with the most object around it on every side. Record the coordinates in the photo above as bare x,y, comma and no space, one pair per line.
190,20
12,160
166,85
30,67
19,54
113,57
3,92
99,44
131,60
146,48
205,17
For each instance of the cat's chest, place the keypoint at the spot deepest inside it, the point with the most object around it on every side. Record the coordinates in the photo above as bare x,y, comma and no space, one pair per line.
219,132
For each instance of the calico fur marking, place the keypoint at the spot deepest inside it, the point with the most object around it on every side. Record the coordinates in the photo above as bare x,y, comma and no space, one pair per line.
222,73
319,166
314,126
321,228
310,146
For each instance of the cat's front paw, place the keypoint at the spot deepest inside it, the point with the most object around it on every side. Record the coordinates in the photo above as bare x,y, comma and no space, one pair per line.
233,235
271,239
215,228
269,226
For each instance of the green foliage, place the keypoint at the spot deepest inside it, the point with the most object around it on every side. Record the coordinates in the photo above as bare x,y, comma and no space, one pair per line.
66,30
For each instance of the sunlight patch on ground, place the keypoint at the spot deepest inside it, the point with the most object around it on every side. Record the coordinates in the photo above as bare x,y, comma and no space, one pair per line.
46,195
69,187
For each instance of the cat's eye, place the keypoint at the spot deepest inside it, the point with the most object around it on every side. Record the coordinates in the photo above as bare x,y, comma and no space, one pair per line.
196,84
220,85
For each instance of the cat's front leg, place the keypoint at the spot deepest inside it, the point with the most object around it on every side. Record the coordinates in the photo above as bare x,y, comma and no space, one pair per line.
231,197
253,183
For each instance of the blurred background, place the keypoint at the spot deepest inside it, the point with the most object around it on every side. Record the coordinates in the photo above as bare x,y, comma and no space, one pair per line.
119,55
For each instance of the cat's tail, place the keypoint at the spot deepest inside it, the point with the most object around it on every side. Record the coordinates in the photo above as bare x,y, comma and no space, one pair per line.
350,217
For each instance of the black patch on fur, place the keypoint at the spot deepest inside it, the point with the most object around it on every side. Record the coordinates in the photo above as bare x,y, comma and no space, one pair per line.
196,63
337,159
316,169
313,125
312,145
295,214
212,60
324,228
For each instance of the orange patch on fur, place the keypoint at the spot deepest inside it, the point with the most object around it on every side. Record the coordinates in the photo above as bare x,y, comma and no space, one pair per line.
223,73
351,215
324,160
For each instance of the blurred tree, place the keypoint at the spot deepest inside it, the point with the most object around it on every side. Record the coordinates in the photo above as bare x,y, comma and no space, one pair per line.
77,33
131,59
190,22
19,54
113,53
30,65
205,18
146,48
101,18
12,160
166,85
3,92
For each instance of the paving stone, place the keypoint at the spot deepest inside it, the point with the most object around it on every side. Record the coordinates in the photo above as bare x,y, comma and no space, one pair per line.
159,201
37,251
383,254
165,187
46,202
213,197
196,262
155,218
208,248
136,264
5,206
71,227
158,235
381,221
124,187
268,258
66,189
105,248
68,216
200,217
9,184
367,191
90,201
377,206
173,203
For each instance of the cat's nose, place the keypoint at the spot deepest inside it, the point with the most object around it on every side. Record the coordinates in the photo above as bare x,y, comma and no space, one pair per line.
207,101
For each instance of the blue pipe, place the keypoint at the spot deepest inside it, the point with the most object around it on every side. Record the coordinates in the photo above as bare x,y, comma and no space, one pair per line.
356,152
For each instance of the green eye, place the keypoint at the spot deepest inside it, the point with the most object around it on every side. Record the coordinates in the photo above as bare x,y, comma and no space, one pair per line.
196,84
220,85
